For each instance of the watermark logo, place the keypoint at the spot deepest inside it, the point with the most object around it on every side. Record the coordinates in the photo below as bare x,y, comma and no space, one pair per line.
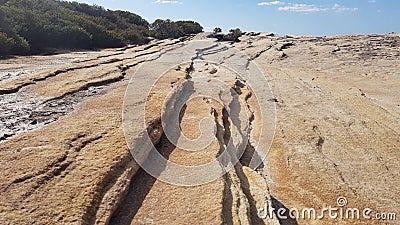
341,201
339,212
141,135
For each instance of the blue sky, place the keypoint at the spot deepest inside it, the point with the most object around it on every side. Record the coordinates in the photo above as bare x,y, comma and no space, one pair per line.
298,17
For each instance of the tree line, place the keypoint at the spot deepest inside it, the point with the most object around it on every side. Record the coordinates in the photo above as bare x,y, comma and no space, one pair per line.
41,26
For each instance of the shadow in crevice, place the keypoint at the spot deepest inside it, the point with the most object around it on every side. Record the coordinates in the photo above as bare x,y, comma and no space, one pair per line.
250,157
245,185
89,217
276,204
227,202
139,188
224,136
142,183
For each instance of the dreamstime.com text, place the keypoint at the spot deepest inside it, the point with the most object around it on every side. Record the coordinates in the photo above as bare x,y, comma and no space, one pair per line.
339,212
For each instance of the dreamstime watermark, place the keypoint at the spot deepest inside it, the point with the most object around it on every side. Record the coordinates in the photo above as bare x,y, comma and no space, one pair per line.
140,136
338,212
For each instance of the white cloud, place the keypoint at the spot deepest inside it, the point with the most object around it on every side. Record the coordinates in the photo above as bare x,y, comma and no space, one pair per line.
307,8
372,1
340,9
166,2
271,3
304,8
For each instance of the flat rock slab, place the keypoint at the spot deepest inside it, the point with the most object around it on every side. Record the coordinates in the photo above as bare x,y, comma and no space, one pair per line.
65,158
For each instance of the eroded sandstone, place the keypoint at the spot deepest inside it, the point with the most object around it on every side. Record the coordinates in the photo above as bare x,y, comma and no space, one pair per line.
64,158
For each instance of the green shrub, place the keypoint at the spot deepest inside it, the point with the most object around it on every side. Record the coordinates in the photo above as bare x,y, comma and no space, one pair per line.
162,29
233,35
6,44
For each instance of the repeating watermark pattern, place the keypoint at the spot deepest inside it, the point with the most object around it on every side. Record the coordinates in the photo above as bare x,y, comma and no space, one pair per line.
209,86
338,212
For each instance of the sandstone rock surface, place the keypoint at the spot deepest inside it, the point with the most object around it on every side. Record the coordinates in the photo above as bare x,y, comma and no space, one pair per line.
64,158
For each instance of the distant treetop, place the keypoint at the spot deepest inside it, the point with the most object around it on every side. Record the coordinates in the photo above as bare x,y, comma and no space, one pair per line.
217,30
